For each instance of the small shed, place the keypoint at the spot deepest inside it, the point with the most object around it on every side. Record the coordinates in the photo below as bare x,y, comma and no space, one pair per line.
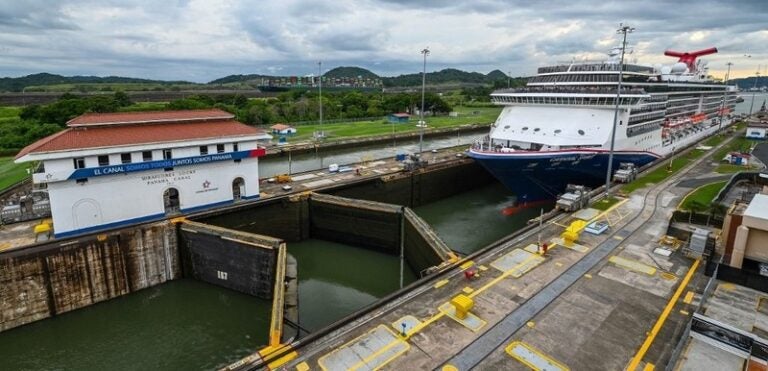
399,118
283,129
757,130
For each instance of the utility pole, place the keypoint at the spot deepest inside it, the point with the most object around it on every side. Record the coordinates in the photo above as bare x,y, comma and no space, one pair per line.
725,93
509,79
622,30
425,52
320,88
754,90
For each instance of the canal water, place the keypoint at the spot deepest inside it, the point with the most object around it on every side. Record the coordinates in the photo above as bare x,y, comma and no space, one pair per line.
180,325
472,220
271,166
335,280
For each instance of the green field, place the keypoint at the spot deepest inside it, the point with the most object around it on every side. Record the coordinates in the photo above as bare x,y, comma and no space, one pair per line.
737,144
702,195
662,172
11,173
605,203
730,169
334,131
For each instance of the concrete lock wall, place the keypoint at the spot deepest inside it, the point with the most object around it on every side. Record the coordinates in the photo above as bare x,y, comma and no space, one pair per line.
377,226
286,218
42,281
355,222
424,248
419,187
240,261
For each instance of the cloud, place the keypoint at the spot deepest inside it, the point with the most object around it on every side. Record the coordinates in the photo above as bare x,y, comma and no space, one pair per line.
201,40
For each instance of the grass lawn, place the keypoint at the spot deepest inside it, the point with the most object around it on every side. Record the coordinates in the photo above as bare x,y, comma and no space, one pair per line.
661,173
11,173
702,195
145,106
737,144
467,115
730,169
605,203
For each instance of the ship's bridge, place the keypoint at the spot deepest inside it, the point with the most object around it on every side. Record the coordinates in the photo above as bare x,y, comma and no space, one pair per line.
553,128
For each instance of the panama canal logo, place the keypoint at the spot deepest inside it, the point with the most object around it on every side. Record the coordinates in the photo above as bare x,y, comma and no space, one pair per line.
207,187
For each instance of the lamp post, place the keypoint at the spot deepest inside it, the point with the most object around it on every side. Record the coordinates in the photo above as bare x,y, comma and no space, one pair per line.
754,90
624,30
425,52
320,90
725,93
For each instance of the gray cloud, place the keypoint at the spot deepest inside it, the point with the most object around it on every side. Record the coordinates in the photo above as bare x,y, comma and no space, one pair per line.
200,40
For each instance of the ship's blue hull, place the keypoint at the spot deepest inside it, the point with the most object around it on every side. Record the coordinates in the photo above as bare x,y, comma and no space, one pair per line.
536,177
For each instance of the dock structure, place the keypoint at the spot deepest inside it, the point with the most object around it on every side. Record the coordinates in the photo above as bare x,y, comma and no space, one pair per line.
604,301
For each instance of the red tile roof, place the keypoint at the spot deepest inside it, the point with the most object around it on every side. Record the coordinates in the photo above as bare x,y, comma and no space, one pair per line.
75,138
117,118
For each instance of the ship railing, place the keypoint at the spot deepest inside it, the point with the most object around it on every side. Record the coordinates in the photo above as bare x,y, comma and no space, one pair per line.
570,90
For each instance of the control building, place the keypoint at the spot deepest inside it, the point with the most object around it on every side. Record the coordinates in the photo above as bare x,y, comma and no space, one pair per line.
111,169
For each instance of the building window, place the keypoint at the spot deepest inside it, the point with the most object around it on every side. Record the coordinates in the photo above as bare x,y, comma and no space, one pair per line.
103,160
167,154
79,162
203,150
146,156
125,158
235,147
219,148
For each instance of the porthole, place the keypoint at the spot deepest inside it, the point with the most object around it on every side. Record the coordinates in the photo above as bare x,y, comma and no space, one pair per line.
525,128
537,129
558,131
581,132
506,126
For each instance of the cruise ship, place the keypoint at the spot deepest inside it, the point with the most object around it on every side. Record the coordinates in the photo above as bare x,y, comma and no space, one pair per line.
557,129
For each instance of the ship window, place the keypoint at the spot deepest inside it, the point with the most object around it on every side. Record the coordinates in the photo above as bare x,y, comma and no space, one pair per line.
558,131
506,126
525,128
537,129
581,132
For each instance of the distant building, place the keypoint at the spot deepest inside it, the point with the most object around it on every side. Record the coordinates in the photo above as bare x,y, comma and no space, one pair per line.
399,118
112,169
282,129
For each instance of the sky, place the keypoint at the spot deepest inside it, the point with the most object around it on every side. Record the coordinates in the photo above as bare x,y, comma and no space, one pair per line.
201,40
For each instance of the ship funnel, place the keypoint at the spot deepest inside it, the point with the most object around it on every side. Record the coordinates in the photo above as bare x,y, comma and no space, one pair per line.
689,58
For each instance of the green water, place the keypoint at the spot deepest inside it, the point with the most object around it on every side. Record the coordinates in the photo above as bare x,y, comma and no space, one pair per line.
180,325
472,220
336,280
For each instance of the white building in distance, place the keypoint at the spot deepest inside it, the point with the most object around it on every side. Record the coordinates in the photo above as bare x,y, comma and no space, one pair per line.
111,169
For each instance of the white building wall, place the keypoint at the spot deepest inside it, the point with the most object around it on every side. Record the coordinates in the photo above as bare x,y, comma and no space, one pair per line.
112,200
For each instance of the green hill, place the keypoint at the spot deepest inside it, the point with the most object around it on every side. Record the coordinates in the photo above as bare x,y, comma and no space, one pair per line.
448,75
17,84
339,72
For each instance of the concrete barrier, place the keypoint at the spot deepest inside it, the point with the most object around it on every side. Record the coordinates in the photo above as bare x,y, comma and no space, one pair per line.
49,279
236,260
286,218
